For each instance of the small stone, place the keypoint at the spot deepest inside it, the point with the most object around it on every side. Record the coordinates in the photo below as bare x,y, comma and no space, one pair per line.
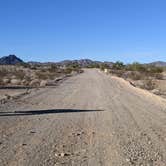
15,81
35,82
32,132
24,144
6,81
43,83
155,91
4,135
56,155
62,154
7,96
149,142
93,132
67,154
128,160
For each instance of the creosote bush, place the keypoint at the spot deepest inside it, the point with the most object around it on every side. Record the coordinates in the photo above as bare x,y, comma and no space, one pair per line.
149,85
118,65
104,66
137,71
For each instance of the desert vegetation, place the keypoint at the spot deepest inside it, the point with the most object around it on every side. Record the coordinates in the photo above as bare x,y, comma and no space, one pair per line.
34,75
149,77
137,71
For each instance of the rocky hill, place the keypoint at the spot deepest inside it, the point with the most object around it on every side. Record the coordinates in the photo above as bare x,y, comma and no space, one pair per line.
10,60
81,62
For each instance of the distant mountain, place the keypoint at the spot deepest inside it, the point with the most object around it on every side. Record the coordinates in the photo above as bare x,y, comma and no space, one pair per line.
81,62
65,63
34,63
159,63
10,60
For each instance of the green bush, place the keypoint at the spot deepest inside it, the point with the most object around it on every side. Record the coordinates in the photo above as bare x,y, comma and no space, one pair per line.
136,67
144,68
104,66
68,70
118,65
154,69
73,65
95,65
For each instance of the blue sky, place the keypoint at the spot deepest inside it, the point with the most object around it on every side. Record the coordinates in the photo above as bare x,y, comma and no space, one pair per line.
106,30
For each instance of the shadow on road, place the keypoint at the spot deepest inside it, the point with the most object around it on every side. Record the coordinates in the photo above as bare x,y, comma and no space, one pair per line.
42,112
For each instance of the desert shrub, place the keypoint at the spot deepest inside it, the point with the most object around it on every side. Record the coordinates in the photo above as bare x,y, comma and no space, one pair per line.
159,76
43,70
33,67
45,75
81,71
136,67
3,72
134,75
27,78
104,66
154,69
23,64
118,65
95,65
149,84
41,75
1,82
53,68
146,71
68,70
144,68
73,65
19,74
12,71
119,73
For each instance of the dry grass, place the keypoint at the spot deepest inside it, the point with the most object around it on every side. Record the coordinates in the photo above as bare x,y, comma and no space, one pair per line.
141,75
149,85
26,74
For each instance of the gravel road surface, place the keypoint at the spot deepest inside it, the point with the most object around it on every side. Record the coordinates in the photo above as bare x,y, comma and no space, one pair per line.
91,119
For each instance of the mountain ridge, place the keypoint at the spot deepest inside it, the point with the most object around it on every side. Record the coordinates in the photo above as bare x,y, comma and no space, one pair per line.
13,59
10,60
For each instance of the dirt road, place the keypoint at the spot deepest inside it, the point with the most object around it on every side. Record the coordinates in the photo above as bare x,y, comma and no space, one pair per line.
90,119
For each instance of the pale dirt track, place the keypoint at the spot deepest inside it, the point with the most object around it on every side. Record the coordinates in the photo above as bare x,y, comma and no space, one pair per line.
90,119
